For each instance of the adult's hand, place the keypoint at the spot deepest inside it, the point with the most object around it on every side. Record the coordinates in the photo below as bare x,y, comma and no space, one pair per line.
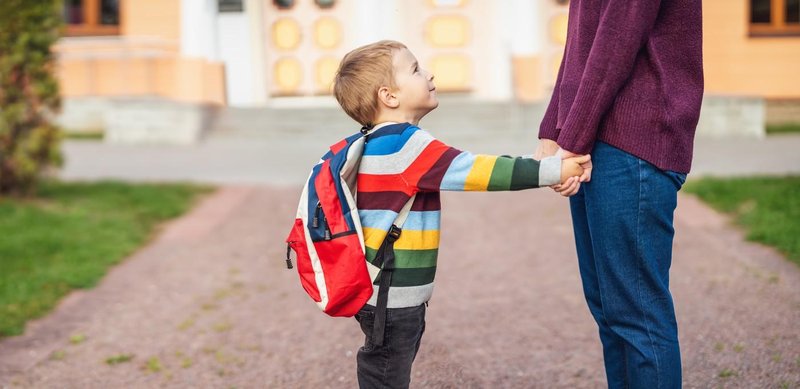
569,187
546,148
587,166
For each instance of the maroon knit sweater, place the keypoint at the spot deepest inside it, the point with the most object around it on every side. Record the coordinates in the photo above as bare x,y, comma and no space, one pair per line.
632,76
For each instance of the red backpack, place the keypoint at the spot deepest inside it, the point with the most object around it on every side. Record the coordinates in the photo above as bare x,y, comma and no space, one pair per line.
327,236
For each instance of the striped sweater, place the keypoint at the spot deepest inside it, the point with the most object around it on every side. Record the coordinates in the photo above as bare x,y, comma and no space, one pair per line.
401,160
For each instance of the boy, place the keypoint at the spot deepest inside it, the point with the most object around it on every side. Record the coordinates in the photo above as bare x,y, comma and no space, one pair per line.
383,88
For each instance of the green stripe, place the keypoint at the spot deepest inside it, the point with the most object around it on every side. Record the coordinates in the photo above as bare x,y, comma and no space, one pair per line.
411,277
526,174
501,174
404,259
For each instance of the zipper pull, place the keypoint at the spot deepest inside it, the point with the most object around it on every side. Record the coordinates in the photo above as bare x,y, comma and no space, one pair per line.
315,221
288,256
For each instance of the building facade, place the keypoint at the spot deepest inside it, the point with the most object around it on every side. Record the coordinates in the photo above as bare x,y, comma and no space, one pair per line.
248,53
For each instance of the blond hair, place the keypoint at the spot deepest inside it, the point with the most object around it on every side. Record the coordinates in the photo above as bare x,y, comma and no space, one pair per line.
361,74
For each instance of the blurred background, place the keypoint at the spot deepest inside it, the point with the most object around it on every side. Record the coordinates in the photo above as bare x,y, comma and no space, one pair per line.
215,110
128,68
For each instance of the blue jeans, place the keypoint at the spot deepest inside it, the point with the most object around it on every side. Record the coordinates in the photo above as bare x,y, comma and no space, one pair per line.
622,221
389,365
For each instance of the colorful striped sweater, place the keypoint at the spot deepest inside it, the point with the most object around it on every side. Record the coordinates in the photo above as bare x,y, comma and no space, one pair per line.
401,160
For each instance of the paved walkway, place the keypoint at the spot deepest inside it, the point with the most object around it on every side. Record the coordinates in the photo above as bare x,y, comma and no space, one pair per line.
285,158
209,303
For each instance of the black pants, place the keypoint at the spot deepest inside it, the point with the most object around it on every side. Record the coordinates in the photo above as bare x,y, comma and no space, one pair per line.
389,365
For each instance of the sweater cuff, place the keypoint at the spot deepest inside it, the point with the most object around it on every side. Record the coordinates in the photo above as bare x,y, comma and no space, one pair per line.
547,129
579,132
550,171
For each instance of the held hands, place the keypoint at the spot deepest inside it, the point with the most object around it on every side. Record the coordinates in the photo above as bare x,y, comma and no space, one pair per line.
570,183
571,172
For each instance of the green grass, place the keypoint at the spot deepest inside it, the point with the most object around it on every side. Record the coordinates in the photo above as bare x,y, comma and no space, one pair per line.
767,207
783,128
70,234
84,135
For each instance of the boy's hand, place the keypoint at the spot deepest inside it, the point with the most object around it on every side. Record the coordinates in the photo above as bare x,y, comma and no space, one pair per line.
571,167
571,170
587,166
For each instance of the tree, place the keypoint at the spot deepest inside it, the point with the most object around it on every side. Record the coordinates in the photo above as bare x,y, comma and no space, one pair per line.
29,97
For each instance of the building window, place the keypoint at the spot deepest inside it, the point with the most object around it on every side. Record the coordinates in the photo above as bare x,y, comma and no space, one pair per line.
283,4
230,5
91,17
447,3
774,17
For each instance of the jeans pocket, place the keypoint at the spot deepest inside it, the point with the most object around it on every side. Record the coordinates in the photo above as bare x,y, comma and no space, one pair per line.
678,179
366,319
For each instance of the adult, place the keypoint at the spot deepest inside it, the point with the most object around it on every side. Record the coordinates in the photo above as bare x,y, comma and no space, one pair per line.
629,92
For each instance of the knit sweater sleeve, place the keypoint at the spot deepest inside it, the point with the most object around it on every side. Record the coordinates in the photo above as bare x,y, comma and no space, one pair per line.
441,167
623,30
548,129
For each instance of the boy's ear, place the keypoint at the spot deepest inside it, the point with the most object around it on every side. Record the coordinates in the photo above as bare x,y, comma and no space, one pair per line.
387,97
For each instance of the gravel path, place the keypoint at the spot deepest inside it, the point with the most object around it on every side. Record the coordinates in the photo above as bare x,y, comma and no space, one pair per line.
209,304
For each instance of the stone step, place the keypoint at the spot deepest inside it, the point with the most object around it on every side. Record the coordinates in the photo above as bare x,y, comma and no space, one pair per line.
459,117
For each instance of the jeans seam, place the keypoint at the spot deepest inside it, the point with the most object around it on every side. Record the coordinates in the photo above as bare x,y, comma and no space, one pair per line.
387,349
639,252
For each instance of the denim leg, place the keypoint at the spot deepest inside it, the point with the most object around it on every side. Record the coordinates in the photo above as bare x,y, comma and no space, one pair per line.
389,365
613,346
629,206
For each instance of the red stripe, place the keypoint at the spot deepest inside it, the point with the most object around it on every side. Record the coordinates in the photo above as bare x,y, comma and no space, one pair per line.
383,183
326,190
425,161
339,146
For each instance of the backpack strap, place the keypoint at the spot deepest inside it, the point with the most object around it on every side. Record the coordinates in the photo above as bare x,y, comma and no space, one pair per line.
385,256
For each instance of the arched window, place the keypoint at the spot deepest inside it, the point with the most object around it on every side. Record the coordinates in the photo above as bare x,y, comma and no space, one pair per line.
325,3
283,4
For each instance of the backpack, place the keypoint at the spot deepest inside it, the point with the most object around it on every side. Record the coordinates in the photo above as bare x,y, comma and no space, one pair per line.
328,240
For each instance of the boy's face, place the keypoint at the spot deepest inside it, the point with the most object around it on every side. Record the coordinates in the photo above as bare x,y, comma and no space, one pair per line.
415,91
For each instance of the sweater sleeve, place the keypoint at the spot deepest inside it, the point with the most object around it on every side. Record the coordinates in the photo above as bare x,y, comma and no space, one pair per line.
623,30
547,129
441,167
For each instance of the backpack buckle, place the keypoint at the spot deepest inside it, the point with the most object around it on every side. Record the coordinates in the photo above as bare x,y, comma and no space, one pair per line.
394,232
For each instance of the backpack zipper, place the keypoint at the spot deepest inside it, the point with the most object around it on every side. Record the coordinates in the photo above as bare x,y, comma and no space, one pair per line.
327,228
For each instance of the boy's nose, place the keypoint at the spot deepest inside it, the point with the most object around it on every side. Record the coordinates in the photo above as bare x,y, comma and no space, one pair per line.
430,76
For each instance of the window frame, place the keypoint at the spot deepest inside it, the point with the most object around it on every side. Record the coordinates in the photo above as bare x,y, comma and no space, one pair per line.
91,25
777,25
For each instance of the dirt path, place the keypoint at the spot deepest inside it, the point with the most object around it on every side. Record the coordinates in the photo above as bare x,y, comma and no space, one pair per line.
209,304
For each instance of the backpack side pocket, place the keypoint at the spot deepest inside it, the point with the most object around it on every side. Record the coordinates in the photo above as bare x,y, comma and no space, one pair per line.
297,241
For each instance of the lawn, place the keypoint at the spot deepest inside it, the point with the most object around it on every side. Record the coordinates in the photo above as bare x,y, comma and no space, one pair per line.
767,207
70,234
783,128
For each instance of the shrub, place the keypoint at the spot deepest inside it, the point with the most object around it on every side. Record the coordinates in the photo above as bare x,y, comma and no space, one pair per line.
29,142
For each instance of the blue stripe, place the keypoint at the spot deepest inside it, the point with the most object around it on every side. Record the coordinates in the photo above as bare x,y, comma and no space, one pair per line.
390,139
383,219
456,175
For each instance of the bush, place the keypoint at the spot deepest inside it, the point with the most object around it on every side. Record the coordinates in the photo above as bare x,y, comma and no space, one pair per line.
29,97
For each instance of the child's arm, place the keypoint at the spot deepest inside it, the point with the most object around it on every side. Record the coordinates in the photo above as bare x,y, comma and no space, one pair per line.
438,166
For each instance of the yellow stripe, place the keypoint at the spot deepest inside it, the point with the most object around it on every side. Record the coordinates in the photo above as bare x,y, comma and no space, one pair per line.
481,172
409,239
